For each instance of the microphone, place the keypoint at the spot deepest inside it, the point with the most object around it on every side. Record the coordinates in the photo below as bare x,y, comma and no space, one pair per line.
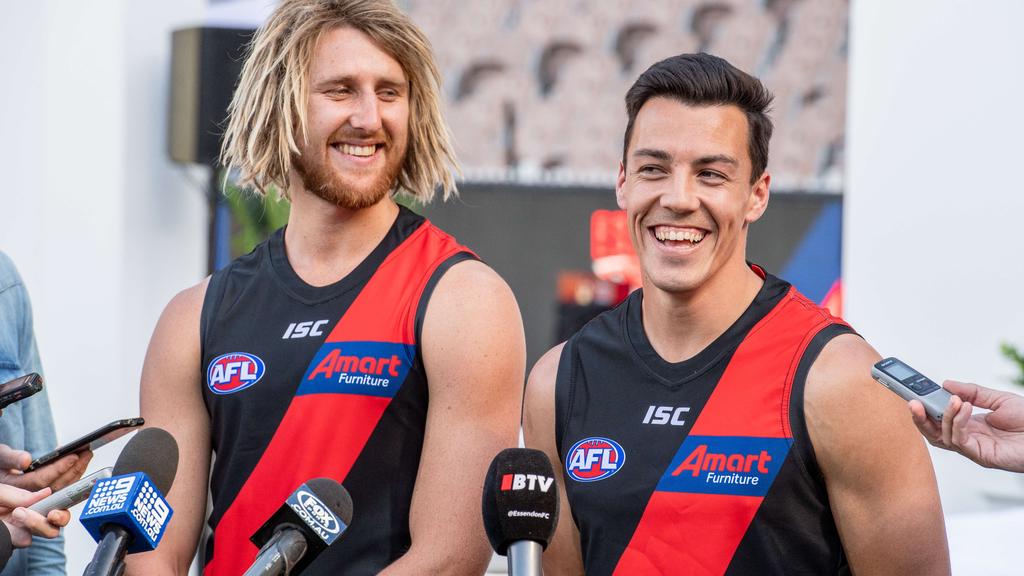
309,521
6,546
127,512
520,506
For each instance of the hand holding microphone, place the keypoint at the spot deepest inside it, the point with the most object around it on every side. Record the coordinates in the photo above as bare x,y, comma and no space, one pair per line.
520,507
310,520
127,513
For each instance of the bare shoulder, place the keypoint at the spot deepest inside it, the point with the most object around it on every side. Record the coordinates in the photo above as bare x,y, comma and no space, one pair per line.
174,348
539,402
842,367
843,404
540,386
177,331
472,280
867,447
472,317
187,304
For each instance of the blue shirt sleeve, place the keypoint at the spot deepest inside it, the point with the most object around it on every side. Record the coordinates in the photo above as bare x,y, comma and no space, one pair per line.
27,424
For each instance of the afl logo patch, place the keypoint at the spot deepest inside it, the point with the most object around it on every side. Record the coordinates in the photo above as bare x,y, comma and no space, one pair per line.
594,458
229,373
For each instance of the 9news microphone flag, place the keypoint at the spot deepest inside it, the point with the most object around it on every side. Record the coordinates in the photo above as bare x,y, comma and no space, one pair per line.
127,512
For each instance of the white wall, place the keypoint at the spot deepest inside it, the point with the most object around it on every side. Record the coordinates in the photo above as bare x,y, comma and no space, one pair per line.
102,226
934,199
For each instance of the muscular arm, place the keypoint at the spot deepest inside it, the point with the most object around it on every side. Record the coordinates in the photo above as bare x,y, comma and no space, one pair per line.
879,475
171,398
563,554
474,353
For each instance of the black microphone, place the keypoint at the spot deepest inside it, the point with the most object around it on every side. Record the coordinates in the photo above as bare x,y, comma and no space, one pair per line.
310,520
126,513
6,546
520,507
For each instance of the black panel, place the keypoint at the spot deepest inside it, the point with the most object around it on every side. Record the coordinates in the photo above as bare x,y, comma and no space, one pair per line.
528,234
206,64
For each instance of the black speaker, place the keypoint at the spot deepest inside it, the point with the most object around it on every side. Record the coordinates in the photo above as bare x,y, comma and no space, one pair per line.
205,66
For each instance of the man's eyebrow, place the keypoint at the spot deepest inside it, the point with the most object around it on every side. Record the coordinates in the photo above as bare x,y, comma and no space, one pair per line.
717,158
652,153
349,79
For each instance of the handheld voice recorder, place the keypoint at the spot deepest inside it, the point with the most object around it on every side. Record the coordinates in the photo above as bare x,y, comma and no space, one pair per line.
910,384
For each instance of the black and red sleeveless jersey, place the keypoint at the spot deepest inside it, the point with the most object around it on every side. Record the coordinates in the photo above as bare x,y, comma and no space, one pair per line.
303,382
703,466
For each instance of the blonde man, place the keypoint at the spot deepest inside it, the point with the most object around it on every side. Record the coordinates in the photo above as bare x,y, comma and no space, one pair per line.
315,355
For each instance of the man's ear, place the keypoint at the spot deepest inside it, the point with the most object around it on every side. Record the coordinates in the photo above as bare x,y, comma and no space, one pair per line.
758,201
620,198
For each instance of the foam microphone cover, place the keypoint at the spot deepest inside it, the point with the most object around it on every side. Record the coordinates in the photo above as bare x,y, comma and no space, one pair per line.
6,546
320,508
520,500
153,451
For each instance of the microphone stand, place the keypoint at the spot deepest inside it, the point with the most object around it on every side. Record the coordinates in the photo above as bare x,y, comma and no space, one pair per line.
524,558
109,557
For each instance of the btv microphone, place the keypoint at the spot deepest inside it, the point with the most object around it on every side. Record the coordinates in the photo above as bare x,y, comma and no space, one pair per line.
309,521
520,507
127,513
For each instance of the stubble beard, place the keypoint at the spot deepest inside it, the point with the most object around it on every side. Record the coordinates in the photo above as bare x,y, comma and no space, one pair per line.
319,178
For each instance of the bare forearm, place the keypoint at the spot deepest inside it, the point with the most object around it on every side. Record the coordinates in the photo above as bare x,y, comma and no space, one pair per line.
440,561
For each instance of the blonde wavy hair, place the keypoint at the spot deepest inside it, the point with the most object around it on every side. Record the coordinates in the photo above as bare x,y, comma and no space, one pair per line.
268,111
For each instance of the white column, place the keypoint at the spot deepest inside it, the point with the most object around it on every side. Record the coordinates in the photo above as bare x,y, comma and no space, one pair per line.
934,199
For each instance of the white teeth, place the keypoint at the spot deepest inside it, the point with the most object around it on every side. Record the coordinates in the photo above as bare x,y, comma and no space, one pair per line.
357,150
664,233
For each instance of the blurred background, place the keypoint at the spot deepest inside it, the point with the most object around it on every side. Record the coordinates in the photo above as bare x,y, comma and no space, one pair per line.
895,195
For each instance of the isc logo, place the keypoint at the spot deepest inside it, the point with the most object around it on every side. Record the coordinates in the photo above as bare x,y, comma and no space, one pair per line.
229,373
526,482
666,415
303,329
593,459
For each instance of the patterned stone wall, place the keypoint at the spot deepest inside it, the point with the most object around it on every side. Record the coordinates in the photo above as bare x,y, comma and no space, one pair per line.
535,87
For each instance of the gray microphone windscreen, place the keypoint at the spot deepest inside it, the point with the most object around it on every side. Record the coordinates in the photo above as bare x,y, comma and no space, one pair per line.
154,452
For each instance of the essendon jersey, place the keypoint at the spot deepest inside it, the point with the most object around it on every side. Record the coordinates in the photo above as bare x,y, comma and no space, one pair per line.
304,382
704,466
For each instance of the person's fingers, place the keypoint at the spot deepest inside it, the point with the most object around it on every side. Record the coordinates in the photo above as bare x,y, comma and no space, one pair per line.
977,395
13,497
960,420
928,428
947,420
35,523
48,474
11,459
20,537
59,517
74,472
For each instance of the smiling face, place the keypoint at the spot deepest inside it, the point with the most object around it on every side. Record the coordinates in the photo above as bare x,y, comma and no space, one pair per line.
358,121
687,192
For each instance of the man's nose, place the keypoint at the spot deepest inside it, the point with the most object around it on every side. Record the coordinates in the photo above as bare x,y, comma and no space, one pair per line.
366,116
682,196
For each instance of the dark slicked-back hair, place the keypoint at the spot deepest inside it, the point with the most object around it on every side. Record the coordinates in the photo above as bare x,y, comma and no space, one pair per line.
706,80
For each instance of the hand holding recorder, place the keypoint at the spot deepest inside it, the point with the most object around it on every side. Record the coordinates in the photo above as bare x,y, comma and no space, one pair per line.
22,523
994,439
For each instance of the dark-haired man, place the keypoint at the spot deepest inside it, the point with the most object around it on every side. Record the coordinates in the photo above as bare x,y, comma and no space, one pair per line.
718,422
